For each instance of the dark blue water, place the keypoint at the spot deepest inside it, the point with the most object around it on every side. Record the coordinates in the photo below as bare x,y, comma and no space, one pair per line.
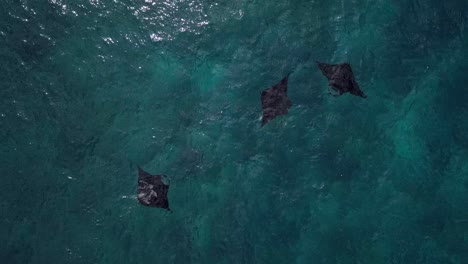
91,89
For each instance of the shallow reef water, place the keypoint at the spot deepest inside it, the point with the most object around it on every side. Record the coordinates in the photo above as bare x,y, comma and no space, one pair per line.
90,89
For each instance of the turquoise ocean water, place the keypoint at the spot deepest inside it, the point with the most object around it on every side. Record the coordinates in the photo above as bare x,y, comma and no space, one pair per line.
89,89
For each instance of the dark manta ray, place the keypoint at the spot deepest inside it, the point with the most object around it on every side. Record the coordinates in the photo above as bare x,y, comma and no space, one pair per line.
152,191
275,101
341,78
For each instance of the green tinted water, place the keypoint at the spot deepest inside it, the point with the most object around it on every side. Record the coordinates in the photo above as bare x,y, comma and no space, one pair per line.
90,89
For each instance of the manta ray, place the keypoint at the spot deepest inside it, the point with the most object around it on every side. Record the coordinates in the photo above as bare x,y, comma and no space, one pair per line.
341,78
152,190
275,101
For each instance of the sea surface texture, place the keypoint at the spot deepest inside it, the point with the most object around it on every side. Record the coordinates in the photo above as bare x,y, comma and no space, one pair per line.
90,89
